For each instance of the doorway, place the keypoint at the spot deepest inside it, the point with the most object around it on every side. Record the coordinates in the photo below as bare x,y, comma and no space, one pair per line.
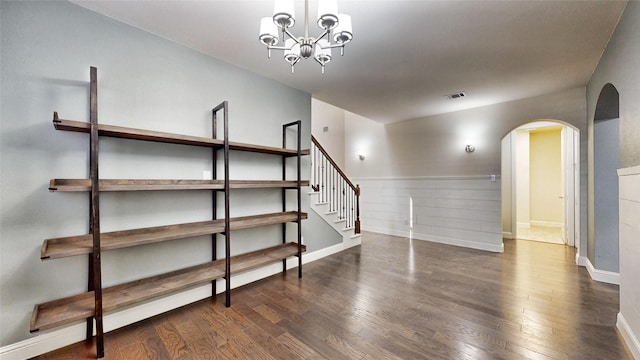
540,183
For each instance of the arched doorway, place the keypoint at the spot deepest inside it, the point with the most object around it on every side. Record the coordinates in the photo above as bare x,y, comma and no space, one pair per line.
540,182
603,247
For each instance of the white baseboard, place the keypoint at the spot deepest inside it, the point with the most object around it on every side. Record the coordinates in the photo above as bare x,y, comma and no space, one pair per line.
44,343
581,260
329,250
441,239
462,243
604,276
51,340
508,235
523,224
553,224
386,231
631,339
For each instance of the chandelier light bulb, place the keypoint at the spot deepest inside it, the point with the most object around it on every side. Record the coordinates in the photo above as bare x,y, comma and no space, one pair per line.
323,55
343,33
323,52
327,14
284,13
268,32
292,55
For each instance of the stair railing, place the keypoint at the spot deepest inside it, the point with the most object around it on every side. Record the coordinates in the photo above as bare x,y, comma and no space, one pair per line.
334,187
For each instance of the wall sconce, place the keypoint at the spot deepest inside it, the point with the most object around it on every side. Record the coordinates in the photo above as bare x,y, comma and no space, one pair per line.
469,148
361,157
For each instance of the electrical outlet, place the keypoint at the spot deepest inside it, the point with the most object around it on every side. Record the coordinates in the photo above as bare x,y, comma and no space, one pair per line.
302,240
493,177
206,175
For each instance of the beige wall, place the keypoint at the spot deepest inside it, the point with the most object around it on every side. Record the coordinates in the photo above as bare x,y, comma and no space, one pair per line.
547,208
369,137
507,165
330,118
429,152
434,146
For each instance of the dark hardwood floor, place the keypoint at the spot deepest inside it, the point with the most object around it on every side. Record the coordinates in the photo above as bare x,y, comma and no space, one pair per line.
393,298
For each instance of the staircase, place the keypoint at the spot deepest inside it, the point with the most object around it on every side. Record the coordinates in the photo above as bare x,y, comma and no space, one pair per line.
334,197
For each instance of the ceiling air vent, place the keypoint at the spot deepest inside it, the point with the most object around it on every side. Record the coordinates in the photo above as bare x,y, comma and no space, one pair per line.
457,95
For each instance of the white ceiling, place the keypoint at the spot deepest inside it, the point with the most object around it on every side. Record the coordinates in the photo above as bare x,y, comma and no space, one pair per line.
406,54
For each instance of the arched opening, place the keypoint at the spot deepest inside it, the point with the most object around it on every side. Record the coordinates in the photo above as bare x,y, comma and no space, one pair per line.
540,182
603,247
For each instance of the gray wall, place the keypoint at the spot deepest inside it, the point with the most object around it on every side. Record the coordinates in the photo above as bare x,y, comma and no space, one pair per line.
606,143
143,81
619,66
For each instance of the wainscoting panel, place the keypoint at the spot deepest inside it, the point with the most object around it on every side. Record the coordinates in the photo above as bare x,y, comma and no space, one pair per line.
463,211
629,316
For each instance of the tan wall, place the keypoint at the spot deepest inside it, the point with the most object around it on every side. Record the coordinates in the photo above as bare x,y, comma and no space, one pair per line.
547,207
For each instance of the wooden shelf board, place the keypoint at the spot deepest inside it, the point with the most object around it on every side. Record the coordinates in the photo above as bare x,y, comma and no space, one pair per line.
78,307
83,244
152,184
158,136
266,149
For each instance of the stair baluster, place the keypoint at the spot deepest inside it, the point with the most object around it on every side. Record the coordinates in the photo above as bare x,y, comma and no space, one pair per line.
334,187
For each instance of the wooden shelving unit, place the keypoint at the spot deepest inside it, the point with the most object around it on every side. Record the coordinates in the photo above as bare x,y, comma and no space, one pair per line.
91,304
68,185
78,307
157,136
82,244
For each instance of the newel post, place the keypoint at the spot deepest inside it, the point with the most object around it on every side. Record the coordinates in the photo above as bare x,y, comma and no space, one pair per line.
357,230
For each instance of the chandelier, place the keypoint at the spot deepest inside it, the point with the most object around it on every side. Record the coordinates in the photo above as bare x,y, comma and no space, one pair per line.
336,27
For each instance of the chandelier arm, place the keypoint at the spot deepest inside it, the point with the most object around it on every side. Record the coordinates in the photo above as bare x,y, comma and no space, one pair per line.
324,33
286,31
272,47
322,64
331,46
